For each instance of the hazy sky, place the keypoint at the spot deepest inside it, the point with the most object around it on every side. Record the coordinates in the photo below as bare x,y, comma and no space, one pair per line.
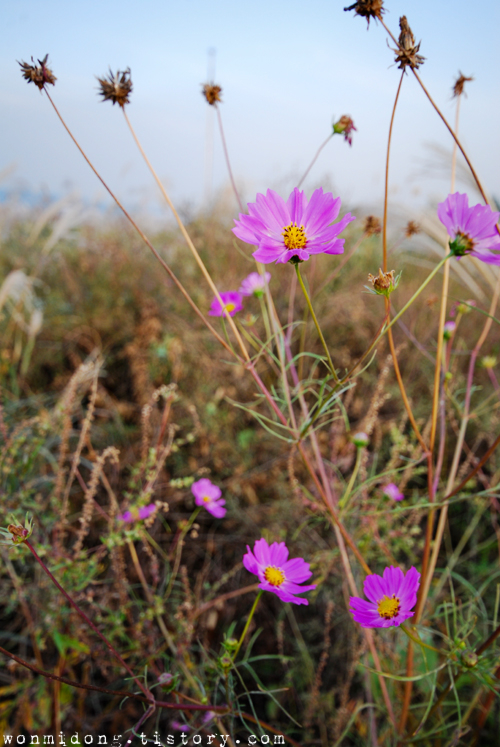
286,68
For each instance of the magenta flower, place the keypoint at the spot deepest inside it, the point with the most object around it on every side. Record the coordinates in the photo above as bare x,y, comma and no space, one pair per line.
232,300
472,229
255,284
294,229
391,596
393,492
276,573
208,495
179,726
137,514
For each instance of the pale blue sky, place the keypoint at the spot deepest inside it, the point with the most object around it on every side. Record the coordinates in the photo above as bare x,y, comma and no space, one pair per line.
286,69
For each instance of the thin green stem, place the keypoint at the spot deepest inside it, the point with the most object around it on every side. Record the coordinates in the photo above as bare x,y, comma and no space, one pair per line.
409,303
247,625
417,640
315,158
343,501
320,333
178,553
265,317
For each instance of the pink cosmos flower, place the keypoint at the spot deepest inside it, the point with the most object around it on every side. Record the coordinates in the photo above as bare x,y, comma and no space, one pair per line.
255,284
294,229
135,514
208,495
276,573
393,492
472,229
391,596
232,300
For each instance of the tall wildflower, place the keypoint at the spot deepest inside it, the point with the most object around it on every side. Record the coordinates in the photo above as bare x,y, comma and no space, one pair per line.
392,597
276,573
295,229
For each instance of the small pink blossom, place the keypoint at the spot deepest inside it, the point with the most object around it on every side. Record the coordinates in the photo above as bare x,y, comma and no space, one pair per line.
255,284
137,514
232,300
276,573
208,495
393,492
392,597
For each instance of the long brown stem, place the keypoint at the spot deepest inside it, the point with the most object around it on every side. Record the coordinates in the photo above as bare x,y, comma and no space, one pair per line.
189,242
442,311
315,158
386,189
425,586
141,233
87,620
443,118
228,162
120,693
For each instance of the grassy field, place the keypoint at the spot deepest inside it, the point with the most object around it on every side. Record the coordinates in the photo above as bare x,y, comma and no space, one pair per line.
267,517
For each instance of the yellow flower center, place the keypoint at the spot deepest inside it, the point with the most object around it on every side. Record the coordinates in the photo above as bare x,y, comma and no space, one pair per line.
295,237
230,307
206,499
274,575
388,607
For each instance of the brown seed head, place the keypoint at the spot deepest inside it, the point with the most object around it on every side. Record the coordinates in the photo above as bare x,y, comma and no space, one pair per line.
458,88
411,229
116,88
383,283
38,74
212,93
372,225
368,9
407,54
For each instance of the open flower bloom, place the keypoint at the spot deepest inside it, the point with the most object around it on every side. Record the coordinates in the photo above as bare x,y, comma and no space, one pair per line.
137,514
292,229
208,495
392,597
276,573
393,492
232,300
255,284
472,229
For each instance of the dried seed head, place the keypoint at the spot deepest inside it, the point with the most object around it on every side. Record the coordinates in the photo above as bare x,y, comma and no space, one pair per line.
411,229
116,88
344,126
384,283
368,9
407,54
212,93
372,225
38,74
458,88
